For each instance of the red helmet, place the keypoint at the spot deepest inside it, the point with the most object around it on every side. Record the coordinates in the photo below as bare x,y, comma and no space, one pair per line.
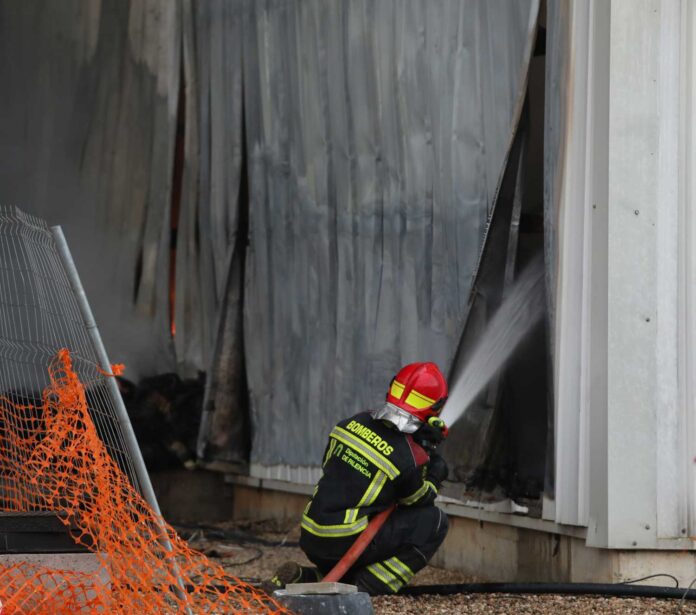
420,389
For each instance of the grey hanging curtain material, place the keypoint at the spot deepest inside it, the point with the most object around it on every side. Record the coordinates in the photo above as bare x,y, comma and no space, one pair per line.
210,260
376,134
87,125
212,56
88,141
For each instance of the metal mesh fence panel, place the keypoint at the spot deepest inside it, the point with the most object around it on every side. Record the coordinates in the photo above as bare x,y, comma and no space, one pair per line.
39,315
65,450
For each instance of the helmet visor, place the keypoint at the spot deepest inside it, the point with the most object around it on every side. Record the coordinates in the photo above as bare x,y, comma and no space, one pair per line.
402,420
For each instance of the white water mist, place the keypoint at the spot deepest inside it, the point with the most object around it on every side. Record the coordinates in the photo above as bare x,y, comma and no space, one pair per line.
522,307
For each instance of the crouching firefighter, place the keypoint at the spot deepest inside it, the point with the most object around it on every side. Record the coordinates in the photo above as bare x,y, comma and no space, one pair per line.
373,460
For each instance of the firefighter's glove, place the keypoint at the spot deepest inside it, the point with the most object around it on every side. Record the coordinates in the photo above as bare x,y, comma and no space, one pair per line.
437,470
430,434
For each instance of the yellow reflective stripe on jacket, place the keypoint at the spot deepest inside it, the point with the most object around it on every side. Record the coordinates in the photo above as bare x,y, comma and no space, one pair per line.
374,489
329,452
316,488
373,455
370,495
351,515
418,494
333,531
397,566
392,581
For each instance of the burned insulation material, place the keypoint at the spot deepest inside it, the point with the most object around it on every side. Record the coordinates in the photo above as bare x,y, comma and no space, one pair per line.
88,145
165,412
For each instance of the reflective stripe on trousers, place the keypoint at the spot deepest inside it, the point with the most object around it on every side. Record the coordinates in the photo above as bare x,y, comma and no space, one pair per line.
393,573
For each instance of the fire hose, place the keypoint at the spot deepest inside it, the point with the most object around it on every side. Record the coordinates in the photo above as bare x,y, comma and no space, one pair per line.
357,548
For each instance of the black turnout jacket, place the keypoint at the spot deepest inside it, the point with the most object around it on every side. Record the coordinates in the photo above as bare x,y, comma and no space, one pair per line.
367,466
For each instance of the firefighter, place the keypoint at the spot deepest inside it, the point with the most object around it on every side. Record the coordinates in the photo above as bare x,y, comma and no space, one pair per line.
372,460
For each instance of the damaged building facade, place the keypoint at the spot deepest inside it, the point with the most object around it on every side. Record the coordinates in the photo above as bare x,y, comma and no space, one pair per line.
297,198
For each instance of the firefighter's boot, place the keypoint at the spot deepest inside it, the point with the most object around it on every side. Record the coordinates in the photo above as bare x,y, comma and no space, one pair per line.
290,572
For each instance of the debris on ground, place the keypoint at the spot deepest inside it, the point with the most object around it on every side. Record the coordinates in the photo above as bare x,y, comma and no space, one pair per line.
165,412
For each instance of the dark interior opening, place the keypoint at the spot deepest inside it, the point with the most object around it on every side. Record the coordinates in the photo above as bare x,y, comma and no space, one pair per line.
175,202
525,395
499,447
225,432
241,247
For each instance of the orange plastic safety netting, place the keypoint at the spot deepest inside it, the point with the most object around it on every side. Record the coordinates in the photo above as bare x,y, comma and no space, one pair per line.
52,459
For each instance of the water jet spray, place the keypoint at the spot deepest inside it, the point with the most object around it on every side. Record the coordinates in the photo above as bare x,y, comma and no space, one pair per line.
522,307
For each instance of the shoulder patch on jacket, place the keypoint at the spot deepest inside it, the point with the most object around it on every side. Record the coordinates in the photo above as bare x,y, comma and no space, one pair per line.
420,457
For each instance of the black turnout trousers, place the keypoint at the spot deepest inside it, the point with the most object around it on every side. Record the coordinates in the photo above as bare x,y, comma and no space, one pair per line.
404,545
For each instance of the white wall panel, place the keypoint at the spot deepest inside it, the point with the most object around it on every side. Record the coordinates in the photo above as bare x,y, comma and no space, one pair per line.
671,501
572,289
581,100
624,323
632,298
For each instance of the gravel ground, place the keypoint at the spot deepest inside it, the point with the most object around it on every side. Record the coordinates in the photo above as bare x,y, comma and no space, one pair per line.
242,556
507,603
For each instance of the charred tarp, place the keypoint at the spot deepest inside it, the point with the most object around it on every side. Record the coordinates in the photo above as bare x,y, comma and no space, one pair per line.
375,138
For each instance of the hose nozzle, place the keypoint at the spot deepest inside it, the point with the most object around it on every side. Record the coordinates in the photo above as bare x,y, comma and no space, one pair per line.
437,423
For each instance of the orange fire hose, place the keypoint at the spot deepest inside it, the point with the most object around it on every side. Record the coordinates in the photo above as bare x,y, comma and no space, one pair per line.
360,544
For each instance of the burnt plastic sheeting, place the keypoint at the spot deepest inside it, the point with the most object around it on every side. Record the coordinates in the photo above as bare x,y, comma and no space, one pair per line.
377,132
376,137
209,216
210,258
87,119
88,123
